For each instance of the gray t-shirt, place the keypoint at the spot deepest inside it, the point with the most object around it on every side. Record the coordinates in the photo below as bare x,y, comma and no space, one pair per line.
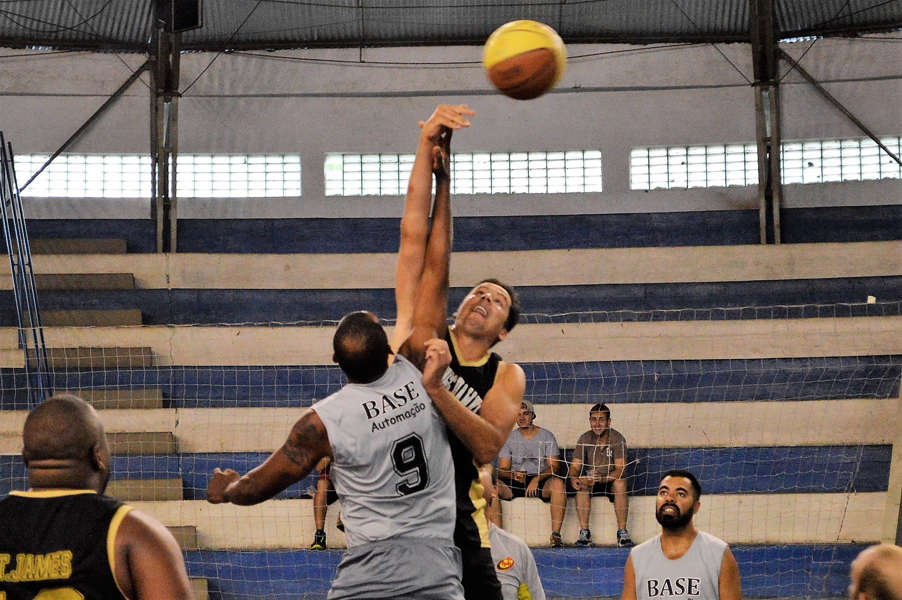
598,452
392,466
693,576
515,565
529,455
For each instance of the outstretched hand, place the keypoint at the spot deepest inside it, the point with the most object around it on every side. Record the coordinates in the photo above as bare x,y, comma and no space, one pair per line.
218,483
438,357
445,117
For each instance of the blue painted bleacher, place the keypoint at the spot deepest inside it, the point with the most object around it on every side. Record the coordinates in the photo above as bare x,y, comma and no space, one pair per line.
782,299
652,381
813,570
767,470
806,571
477,234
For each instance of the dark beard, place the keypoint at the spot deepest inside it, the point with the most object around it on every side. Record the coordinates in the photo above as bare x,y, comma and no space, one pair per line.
673,522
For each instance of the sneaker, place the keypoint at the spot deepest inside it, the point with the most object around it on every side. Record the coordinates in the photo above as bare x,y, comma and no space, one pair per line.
556,541
319,540
623,539
585,539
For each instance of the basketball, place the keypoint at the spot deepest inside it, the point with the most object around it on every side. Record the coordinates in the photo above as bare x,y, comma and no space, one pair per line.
524,59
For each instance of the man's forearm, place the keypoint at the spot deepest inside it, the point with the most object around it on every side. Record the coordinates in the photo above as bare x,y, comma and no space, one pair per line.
245,491
479,436
545,473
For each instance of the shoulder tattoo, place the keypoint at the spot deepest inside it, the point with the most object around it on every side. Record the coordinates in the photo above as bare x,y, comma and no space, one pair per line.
297,448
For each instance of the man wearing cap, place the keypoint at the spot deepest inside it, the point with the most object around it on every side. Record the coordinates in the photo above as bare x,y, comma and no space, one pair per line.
528,465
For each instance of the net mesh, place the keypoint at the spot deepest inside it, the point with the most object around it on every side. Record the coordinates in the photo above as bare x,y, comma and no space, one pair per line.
793,451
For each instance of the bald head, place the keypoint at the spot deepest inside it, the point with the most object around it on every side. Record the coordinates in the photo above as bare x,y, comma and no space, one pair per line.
361,348
877,574
64,445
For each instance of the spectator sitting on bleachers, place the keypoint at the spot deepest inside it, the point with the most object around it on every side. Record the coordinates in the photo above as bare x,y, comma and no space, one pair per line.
597,469
528,466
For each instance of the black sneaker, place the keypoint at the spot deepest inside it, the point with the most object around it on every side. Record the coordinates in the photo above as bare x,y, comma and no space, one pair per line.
319,540
585,539
623,539
556,541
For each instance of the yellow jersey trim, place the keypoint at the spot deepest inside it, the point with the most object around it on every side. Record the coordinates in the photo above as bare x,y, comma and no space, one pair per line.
111,541
51,493
478,515
476,363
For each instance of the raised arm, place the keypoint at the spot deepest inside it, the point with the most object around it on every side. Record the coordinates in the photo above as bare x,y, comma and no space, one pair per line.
149,561
432,158
307,443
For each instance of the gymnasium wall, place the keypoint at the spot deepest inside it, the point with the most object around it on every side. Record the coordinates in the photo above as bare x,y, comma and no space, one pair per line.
763,364
613,98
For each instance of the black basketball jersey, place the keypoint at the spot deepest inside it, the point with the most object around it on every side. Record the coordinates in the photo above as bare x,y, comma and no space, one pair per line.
469,382
58,545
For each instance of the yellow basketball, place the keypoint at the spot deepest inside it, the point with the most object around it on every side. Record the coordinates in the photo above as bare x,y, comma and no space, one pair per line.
524,59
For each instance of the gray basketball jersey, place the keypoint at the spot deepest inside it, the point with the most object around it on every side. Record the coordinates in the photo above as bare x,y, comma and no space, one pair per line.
695,575
392,466
514,565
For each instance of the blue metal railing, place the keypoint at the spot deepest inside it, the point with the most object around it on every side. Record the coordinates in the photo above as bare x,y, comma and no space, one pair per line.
31,332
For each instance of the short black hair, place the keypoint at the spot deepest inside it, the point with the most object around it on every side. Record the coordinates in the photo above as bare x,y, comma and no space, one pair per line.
602,408
361,347
513,313
696,486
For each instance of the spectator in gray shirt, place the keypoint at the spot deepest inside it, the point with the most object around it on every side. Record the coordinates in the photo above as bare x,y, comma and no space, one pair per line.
528,466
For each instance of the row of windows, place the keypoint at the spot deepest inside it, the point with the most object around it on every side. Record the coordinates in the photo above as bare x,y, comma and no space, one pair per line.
574,171
129,176
801,162
477,173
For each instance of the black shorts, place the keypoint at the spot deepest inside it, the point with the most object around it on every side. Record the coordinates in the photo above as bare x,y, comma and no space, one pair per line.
599,488
518,490
331,497
479,578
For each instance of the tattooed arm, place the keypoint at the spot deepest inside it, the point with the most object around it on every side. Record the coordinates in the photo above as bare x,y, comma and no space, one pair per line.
307,443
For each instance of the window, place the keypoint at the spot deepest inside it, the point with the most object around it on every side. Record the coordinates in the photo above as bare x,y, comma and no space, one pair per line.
839,160
693,166
85,176
573,171
238,176
367,174
129,176
802,162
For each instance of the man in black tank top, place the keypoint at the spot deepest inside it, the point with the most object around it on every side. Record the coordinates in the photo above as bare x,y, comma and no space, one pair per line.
58,538
481,396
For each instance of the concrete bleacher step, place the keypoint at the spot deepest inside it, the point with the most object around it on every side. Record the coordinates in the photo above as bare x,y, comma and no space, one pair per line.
85,281
122,399
200,589
91,318
142,443
145,490
186,536
97,358
79,246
